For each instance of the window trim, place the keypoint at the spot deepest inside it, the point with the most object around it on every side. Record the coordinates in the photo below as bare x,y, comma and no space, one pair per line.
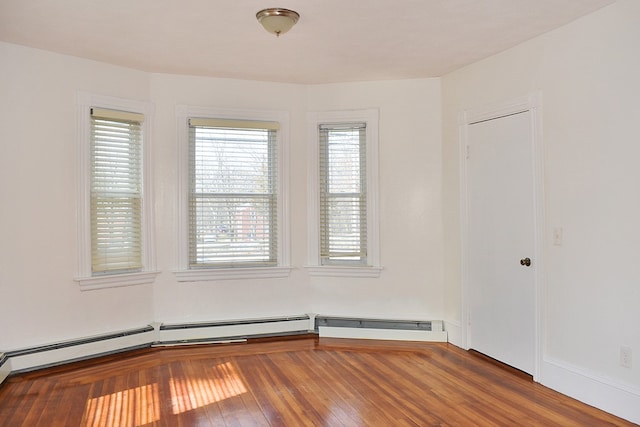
183,273
314,266
85,102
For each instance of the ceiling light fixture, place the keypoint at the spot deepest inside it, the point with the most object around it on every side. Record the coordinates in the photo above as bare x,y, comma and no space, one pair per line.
277,20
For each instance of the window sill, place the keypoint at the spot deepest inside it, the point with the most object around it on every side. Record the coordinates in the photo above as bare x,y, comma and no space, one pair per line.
341,271
116,280
232,273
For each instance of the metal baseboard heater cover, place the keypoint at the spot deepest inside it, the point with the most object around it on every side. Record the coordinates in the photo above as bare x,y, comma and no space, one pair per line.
48,355
5,367
384,329
352,322
232,330
81,341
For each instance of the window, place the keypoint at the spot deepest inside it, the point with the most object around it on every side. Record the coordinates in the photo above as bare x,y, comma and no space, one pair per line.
234,202
343,195
232,193
116,192
114,217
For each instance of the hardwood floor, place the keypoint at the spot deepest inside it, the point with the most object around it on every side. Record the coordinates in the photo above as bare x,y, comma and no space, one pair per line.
303,382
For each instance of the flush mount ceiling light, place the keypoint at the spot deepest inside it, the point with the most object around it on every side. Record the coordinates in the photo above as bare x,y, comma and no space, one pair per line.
277,20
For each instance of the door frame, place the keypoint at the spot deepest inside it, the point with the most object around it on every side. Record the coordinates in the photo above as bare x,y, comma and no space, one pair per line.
533,104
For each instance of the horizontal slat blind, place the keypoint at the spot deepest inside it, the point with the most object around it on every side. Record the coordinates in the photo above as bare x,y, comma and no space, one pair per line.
116,191
233,193
343,190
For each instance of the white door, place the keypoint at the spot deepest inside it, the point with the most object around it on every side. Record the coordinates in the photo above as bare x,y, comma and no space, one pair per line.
501,240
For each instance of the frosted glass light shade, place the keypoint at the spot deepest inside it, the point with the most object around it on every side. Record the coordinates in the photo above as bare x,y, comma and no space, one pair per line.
276,20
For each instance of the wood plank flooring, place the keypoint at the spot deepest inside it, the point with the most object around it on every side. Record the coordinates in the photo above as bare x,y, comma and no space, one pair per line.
302,382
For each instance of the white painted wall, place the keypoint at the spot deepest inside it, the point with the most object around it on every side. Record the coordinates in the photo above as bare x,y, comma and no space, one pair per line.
587,73
410,285
41,303
410,221
230,299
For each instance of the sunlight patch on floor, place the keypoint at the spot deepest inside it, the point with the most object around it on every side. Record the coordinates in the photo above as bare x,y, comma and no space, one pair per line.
133,407
222,382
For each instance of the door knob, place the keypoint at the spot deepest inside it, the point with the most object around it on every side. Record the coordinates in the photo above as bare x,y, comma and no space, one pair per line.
525,261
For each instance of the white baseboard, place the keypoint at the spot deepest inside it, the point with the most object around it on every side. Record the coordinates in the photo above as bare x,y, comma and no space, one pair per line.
382,334
611,396
454,333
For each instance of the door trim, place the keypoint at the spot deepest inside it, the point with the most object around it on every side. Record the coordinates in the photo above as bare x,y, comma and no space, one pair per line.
533,104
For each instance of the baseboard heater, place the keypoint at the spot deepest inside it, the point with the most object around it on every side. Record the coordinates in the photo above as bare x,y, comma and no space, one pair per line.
5,367
44,356
380,329
49,355
232,331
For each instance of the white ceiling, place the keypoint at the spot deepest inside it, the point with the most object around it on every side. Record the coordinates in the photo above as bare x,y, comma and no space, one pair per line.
334,40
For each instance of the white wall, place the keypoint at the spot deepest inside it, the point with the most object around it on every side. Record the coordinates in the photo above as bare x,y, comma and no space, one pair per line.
230,299
410,285
587,73
41,303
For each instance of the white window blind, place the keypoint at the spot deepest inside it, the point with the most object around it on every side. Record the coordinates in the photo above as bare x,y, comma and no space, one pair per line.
232,193
116,192
343,194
